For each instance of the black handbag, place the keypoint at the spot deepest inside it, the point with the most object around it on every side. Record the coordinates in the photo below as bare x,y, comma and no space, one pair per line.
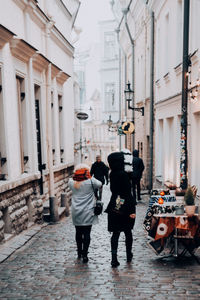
98,208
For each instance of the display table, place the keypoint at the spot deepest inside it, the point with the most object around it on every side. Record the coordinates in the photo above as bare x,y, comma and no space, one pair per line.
167,198
154,207
177,233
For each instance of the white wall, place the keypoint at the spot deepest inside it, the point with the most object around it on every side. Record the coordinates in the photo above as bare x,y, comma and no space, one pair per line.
26,23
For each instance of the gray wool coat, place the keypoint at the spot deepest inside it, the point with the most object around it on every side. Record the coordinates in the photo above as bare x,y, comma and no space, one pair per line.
83,202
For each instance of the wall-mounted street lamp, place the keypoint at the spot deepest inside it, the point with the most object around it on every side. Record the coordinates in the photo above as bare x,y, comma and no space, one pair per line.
109,122
113,127
129,97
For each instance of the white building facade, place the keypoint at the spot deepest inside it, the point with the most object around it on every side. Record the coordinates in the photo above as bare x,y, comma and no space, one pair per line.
36,108
168,48
168,72
109,70
97,70
134,24
96,138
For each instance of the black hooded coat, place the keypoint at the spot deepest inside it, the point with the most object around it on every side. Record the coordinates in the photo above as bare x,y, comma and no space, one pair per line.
120,186
138,166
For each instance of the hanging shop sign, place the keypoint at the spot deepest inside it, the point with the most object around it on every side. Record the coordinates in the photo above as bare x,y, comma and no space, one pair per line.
128,127
82,116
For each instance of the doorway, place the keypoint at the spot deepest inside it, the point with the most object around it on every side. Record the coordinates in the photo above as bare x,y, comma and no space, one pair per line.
38,135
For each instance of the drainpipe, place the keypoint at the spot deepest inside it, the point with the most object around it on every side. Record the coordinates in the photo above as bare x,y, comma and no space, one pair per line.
120,83
112,2
125,81
184,103
76,13
49,139
120,91
151,136
53,205
125,11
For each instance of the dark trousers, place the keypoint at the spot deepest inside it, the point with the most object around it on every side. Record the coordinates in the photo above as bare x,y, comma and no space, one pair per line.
136,185
115,239
83,239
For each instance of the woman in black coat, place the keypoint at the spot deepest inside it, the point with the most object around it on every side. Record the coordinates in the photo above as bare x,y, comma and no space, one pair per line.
121,208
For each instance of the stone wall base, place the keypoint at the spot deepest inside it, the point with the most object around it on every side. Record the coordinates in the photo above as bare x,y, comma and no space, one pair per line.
23,204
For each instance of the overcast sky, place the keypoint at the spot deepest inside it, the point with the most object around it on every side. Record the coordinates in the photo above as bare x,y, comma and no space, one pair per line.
90,13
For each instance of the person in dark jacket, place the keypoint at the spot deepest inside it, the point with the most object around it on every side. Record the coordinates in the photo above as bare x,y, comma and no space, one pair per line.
100,171
138,168
121,208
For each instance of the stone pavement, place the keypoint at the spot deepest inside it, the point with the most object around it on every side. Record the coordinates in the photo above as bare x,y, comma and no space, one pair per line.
47,268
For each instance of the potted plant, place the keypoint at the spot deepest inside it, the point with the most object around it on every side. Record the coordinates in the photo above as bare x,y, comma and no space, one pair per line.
189,201
180,195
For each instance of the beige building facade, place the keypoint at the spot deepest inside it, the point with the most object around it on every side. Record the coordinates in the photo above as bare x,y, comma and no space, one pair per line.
36,108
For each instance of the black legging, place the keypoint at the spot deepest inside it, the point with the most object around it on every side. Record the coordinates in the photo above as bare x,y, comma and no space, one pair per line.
136,184
115,239
83,238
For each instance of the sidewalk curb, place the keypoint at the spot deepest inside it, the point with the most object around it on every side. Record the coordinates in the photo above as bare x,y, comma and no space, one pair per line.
7,249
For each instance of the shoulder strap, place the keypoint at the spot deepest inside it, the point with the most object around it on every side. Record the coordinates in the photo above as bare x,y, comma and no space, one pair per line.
92,186
95,192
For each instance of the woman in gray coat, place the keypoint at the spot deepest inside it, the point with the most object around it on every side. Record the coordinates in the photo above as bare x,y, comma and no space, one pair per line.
83,186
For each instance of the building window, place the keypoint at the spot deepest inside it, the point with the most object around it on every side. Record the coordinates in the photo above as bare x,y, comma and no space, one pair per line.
179,34
38,134
109,45
159,54
60,107
53,128
195,23
109,97
141,150
22,124
166,43
3,156
160,149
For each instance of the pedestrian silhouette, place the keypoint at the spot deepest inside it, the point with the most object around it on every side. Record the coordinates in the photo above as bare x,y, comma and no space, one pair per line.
121,208
100,171
83,217
138,168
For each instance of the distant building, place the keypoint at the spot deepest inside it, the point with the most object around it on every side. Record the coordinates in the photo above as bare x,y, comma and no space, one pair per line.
138,22
97,140
109,70
101,95
81,59
36,108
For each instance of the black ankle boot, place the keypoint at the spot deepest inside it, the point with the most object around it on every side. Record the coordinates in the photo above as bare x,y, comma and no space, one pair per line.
79,254
114,262
129,256
85,258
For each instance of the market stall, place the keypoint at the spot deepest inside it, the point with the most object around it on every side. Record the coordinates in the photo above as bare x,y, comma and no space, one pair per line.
171,230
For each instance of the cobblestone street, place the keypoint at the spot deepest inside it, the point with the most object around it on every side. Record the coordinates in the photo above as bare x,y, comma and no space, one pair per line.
47,268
